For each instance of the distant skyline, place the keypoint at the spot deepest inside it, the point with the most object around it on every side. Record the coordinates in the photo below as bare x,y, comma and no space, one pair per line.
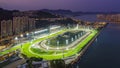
74,5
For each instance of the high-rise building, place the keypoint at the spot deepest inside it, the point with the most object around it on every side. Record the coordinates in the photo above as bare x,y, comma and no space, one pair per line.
31,24
16,25
9,28
3,28
6,28
23,24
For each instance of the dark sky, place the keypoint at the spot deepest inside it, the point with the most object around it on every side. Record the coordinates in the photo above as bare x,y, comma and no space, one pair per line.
75,5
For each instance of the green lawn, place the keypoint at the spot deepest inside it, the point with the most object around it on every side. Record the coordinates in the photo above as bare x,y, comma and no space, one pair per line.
10,50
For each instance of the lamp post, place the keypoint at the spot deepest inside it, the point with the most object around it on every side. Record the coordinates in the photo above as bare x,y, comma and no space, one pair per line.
77,26
72,39
67,48
16,39
57,43
27,34
20,40
81,33
48,42
67,41
21,35
75,37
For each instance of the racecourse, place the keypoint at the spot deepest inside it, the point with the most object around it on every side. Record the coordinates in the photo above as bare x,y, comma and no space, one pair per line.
47,54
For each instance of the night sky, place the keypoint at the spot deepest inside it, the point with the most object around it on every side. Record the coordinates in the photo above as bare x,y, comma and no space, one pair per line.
75,5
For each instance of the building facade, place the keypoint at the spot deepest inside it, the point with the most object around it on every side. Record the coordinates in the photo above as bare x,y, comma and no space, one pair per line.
23,24
18,26
6,28
31,24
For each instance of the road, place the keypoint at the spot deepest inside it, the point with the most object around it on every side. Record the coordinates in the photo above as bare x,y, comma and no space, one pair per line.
15,64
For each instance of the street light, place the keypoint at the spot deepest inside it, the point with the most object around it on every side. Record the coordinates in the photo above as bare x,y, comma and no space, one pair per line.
67,41
27,34
67,48
57,48
47,48
72,39
16,38
57,42
21,40
75,37
28,37
21,35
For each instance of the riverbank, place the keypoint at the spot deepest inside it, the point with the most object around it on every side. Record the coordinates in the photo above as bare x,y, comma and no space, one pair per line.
81,53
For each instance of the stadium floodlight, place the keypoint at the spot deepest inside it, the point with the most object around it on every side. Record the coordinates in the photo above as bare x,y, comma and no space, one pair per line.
47,48
40,31
48,42
57,43
67,48
67,41
57,48
55,27
27,34
33,44
77,26
16,38
75,37
21,35
72,39
81,33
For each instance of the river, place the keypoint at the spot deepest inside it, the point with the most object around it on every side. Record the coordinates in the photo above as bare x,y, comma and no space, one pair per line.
104,52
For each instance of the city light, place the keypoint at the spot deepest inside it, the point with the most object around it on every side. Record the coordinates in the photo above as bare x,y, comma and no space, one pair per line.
16,38
57,48
55,27
47,48
40,31
21,35
27,34
67,48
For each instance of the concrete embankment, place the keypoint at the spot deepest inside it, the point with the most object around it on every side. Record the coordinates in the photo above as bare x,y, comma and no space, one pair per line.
80,54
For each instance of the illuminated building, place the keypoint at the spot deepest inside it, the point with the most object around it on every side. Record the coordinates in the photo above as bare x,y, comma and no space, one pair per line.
6,28
23,24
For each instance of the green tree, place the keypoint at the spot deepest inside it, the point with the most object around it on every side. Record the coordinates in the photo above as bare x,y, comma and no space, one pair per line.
57,64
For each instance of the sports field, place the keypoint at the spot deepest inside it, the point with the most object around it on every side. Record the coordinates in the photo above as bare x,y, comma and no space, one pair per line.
51,54
55,54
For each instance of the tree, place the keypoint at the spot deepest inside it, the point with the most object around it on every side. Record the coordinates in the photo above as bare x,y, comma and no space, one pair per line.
57,64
